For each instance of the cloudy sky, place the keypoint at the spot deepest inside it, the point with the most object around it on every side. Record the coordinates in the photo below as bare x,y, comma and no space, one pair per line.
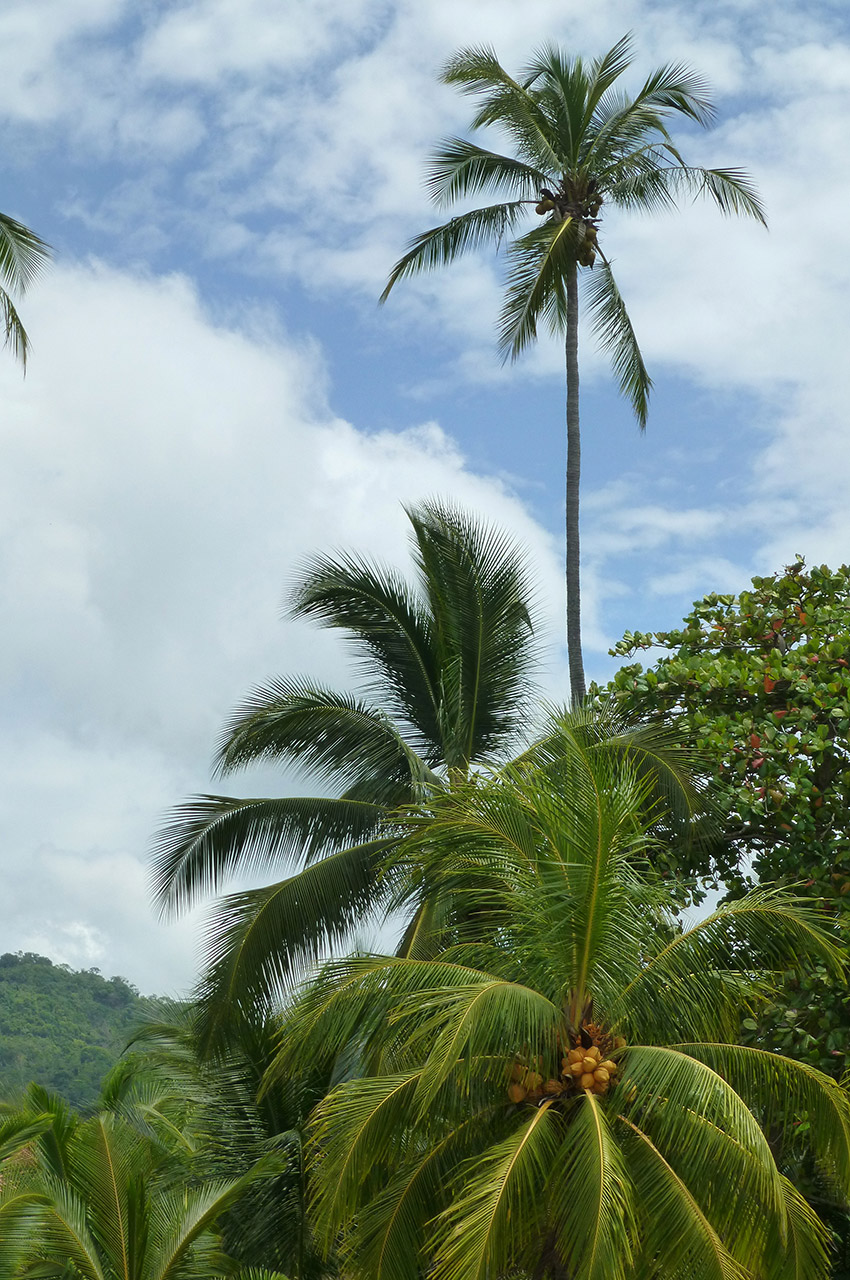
213,392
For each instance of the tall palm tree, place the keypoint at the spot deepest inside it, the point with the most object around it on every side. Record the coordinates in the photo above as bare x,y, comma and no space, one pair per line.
448,666
558,1094
22,256
580,143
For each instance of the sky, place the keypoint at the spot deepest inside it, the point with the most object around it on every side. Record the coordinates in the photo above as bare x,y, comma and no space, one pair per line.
213,393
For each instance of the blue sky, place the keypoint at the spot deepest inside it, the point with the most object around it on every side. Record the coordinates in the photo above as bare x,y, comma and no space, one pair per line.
214,393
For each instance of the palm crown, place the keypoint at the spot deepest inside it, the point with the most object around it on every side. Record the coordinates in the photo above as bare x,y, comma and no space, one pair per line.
447,665
580,145
557,1093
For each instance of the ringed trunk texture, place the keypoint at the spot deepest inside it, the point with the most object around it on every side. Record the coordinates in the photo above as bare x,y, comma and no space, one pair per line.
577,684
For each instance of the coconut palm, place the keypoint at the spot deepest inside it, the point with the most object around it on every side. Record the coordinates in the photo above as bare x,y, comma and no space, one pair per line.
448,681
580,144
107,1204
558,1093
22,256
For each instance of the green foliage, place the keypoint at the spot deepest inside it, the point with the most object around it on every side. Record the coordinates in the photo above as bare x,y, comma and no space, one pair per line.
209,1115
60,1028
427,1156
761,683
97,1199
447,662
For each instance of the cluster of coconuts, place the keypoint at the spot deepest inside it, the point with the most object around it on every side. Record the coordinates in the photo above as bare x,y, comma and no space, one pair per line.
581,1069
589,1070
587,213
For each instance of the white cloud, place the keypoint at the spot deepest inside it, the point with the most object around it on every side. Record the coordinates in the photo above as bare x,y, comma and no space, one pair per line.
161,478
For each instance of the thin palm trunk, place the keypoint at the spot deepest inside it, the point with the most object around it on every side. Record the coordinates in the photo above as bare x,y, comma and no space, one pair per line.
577,685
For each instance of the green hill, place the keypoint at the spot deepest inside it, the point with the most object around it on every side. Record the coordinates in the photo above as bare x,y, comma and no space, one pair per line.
62,1028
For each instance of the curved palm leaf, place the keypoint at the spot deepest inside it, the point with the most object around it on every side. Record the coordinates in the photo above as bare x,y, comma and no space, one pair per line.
211,837
23,254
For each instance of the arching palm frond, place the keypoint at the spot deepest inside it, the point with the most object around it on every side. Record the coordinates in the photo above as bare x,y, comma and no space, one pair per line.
442,245
23,255
343,738
212,837
615,334
261,940
460,168
538,266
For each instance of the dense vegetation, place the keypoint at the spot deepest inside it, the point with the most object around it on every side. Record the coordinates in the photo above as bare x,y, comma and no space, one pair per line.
61,1028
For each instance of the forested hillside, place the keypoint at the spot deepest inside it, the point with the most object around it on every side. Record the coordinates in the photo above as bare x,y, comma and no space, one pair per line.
61,1028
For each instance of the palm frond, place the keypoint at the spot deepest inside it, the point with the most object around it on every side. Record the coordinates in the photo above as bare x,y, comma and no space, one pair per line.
23,254
675,88
615,334
482,599
703,976
539,263
679,1239
505,103
181,1218
15,333
65,1231
732,190
780,1088
388,625
460,168
691,1113
259,940
391,1226
593,1206
209,838
18,1131
442,245
353,1128
338,735
475,1236
804,1253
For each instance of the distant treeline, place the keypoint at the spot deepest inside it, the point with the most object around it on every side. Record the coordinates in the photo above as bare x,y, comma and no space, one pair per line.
62,1028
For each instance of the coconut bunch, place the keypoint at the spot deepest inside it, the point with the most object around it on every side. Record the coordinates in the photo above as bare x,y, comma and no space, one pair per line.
587,1069
585,1066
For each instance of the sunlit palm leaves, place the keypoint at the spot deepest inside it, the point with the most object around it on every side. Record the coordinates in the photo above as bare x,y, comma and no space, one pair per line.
559,934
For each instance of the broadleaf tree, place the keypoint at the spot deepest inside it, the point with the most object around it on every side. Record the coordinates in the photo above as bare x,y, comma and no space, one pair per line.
580,144
760,681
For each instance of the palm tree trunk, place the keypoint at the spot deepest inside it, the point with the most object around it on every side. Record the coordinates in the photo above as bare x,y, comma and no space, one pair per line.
577,685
